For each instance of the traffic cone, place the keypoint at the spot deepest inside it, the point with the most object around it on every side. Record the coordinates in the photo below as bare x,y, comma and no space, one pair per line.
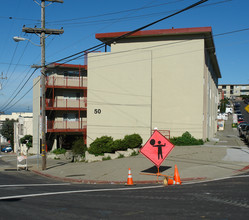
171,182
129,179
176,180
177,176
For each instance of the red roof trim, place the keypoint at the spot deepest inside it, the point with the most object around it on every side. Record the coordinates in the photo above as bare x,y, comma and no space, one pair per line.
69,65
156,32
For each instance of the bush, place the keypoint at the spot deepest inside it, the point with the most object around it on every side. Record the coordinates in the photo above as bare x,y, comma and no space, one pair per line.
79,148
101,145
133,141
118,145
106,144
185,140
59,151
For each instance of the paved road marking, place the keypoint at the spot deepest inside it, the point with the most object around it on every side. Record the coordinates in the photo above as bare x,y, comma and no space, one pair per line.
23,185
214,180
77,191
105,190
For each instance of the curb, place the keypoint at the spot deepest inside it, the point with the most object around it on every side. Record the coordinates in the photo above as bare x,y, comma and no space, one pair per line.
65,179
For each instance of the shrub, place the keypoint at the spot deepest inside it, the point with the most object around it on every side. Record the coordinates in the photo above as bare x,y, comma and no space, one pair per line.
185,140
118,145
59,151
101,145
79,148
106,144
133,141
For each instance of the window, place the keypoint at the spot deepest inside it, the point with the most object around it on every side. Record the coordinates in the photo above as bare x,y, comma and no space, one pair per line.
71,116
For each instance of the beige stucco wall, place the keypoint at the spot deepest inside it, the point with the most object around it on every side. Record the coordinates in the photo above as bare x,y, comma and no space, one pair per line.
120,86
169,74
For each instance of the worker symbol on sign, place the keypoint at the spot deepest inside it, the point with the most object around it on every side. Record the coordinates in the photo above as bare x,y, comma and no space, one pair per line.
159,146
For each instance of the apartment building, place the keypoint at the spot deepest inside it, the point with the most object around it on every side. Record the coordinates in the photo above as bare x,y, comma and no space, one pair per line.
164,78
234,90
66,105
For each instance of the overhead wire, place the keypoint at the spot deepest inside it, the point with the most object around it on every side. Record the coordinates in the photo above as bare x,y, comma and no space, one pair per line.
113,13
4,108
15,64
153,22
22,96
84,23
82,53
221,34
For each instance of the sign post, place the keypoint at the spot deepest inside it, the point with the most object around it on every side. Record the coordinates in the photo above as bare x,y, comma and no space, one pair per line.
156,149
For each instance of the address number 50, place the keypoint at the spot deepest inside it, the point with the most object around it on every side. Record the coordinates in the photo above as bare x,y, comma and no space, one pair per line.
97,111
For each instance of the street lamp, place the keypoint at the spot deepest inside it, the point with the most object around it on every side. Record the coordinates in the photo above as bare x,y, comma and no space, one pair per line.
18,39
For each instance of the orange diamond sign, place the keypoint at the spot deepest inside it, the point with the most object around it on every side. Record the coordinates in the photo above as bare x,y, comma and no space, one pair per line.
157,148
247,108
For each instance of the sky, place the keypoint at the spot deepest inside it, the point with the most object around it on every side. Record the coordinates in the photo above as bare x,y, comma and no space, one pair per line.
81,20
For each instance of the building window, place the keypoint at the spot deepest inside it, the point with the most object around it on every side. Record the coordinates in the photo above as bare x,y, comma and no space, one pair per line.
70,117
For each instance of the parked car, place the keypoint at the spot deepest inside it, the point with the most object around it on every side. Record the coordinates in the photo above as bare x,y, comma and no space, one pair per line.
242,130
240,117
247,137
240,124
238,112
239,127
7,149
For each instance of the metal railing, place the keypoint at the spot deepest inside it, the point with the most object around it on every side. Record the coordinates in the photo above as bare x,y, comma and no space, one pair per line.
66,81
67,125
66,103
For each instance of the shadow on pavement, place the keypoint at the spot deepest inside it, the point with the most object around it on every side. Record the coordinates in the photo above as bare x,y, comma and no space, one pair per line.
153,169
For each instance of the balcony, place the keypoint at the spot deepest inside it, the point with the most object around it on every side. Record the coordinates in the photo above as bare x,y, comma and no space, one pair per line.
66,82
67,126
66,104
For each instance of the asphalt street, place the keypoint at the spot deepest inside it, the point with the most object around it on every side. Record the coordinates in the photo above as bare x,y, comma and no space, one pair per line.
28,196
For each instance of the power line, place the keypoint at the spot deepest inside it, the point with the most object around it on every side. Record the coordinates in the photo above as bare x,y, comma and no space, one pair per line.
82,53
22,96
83,23
16,64
216,35
17,93
229,32
113,13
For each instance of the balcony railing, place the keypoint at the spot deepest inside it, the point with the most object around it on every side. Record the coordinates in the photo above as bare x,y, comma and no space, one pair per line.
66,125
66,81
66,103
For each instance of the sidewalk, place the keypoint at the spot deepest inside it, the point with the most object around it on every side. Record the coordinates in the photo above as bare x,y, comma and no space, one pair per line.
224,156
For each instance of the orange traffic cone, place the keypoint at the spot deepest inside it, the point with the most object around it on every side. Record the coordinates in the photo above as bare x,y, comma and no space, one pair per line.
177,176
129,179
176,180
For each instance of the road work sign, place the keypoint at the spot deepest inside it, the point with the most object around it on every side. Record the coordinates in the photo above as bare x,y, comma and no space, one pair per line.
247,108
157,148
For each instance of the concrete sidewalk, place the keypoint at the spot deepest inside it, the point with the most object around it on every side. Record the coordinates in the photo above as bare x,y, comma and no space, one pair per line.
224,156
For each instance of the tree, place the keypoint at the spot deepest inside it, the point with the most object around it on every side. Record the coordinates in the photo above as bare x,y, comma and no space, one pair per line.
27,139
7,130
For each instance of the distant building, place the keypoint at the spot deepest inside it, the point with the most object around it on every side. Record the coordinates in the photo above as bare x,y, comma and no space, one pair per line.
14,116
66,104
23,126
154,78
234,90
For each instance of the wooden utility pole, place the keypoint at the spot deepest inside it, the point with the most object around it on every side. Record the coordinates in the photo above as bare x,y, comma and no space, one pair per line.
42,33
1,77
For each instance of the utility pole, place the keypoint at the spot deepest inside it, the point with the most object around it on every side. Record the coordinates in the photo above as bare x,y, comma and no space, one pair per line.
42,33
1,77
